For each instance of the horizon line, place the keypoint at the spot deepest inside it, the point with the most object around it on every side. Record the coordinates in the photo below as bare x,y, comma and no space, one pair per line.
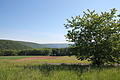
39,42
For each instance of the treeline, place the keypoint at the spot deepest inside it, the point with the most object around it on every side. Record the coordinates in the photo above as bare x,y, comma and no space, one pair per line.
36,52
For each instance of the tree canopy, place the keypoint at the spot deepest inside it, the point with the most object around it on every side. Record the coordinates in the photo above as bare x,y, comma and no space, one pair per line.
96,36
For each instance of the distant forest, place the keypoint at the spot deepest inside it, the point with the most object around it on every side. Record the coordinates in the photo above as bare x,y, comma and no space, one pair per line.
20,48
10,44
36,52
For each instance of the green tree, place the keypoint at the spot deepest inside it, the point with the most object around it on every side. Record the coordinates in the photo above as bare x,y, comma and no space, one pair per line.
96,36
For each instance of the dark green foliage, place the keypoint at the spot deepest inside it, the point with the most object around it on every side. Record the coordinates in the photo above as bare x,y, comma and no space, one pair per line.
60,52
96,36
36,52
8,52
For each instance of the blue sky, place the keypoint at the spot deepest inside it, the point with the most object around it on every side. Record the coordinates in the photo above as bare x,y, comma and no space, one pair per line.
42,21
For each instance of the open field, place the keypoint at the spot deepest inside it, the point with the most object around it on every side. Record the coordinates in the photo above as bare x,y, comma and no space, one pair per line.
42,60
13,57
52,68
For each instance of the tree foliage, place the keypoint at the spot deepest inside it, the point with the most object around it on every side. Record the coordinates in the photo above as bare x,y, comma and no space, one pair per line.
96,36
35,52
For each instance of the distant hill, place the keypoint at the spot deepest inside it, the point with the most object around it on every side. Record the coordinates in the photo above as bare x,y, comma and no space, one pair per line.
56,45
10,44
32,45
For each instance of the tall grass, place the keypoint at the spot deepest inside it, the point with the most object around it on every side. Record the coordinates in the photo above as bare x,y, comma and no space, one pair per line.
9,71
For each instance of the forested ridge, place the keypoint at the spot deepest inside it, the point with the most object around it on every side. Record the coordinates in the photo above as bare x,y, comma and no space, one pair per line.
8,44
11,44
20,48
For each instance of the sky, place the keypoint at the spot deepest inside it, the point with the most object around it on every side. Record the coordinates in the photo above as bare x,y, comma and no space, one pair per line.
41,21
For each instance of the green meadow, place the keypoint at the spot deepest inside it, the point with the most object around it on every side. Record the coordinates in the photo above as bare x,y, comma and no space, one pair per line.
13,57
57,68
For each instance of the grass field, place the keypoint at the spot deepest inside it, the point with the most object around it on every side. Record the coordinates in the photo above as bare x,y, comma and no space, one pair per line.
13,57
53,68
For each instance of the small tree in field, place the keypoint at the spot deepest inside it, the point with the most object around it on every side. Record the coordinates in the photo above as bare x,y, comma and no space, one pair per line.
96,36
